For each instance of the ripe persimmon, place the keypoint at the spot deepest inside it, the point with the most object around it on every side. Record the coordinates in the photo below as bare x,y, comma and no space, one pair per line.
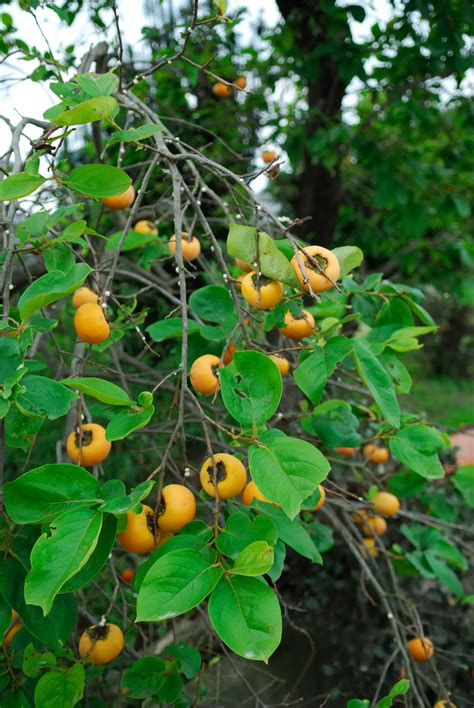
146,227
90,323
322,499
221,90
346,451
359,516
240,82
268,156
385,503
229,353
273,172
190,246
178,507
282,363
127,575
374,526
120,201
262,293
94,446
230,474
420,648
317,280
82,296
202,374
298,327
369,549
251,492
101,644
374,453
444,704
139,535
238,281
15,626
243,265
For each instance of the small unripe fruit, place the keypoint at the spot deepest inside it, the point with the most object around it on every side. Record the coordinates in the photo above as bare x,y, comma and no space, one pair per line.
127,575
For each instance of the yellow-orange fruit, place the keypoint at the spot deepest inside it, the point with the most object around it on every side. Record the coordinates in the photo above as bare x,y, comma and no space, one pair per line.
202,374
127,575
268,293
101,644
15,626
346,451
243,265
90,323
420,648
251,492
268,156
444,704
120,201
82,296
190,246
178,507
375,454
328,262
321,501
94,447
298,327
359,516
385,503
238,281
240,82
273,172
230,474
139,535
282,363
370,549
221,90
375,526
229,353
146,227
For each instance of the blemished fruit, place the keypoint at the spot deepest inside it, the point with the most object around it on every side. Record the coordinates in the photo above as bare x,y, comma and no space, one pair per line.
282,363
298,327
322,499
229,353
328,262
263,293
15,626
268,156
179,507
346,451
202,374
127,575
420,648
90,323
146,227
230,473
221,90
139,536
251,492
375,454
190,246
385,503
120,201
374,526
240,82
243,265
94,447
82,296
370,549
101,644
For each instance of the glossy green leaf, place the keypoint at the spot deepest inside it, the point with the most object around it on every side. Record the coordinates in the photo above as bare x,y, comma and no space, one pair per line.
445,575
170,328
463,480
10,358
127,421
181,541
45,397
98,180
100,389
255,559
61,689
51,287
417,447
97,560
292,532
19,185
88,111
334,423
212,303
144,678
377,380
349,257
134,135
241,531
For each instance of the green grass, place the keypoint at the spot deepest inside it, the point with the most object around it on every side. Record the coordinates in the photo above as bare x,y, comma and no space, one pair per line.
446,401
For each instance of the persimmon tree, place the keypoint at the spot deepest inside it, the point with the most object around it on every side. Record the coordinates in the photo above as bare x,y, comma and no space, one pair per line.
168,439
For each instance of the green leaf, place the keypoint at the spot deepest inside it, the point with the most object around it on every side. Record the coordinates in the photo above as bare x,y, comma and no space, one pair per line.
246,616
417,446
45,492
34,662
45,397
127,421
397,689
60,553
176,583
100,389
182,541
131,242
349,257
61,689
144,678
19,185
251,387
256,559
333,422
406,484
212,303
121,503
170,328
59,257
189,658
97,84
292,532
134,135
98,180
445,575
463,480
241,243
89,111
97,560
377,381
312,374
241,531
287,470
51,287
10,358
279,551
